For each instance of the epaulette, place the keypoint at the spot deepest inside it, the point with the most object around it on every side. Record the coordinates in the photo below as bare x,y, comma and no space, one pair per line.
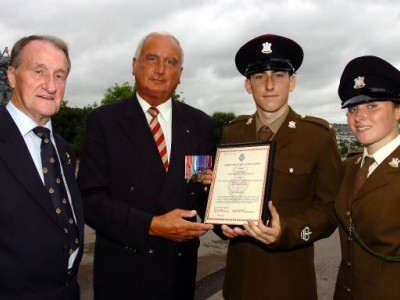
318,121
243,118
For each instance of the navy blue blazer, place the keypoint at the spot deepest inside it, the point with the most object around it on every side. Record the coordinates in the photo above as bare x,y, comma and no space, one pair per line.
124,184
33,260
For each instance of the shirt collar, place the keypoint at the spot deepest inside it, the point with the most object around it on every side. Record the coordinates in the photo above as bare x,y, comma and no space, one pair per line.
24,123
275,125
384,152
165,108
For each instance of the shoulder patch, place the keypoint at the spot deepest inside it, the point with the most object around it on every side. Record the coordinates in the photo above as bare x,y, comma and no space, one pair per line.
240,119
318,121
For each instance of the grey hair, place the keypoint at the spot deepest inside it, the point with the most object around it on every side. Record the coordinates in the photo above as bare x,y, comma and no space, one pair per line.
16,52
162,33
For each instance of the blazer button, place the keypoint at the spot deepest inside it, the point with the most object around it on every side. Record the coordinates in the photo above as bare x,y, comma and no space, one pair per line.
131,189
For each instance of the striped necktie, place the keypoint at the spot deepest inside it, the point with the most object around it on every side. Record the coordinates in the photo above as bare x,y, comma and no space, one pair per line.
158,135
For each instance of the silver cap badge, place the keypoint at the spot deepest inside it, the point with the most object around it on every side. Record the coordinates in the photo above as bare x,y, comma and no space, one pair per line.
266,48
359,82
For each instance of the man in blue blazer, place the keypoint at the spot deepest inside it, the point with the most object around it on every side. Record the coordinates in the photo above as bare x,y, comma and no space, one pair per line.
135,194
37,259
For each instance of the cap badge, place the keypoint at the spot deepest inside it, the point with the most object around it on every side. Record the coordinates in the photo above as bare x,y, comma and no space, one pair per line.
394,162
266,48
292,124
359,82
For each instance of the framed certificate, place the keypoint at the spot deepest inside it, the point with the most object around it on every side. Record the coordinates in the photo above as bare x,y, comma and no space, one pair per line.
241,185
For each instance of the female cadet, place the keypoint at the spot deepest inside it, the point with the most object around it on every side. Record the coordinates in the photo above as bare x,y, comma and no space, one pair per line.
368,206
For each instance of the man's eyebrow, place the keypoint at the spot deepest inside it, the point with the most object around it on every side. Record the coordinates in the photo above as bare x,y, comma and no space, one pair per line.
42,65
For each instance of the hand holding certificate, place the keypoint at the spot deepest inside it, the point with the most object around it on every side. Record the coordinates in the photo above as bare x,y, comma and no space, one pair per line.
241,185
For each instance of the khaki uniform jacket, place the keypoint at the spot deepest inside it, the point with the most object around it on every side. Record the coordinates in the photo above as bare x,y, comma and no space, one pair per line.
375,212
307,171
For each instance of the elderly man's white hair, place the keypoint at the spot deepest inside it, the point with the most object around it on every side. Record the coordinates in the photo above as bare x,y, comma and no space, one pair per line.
162,33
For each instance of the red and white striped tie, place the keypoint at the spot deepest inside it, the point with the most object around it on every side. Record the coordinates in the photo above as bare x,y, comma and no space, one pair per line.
158,135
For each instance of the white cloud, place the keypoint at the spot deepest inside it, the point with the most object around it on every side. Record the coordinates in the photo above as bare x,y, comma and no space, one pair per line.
103,35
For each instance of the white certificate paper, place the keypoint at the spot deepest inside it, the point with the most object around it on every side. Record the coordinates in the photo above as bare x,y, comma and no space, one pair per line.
241,184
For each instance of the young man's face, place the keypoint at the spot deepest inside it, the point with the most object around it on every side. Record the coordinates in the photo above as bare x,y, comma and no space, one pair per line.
270,90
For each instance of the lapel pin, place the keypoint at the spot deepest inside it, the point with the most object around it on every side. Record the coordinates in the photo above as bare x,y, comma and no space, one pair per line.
292,124
68,158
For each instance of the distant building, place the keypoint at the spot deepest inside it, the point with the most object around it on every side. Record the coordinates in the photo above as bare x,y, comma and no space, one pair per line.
5,90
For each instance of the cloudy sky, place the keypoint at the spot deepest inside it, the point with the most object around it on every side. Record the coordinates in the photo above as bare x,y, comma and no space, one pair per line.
103,34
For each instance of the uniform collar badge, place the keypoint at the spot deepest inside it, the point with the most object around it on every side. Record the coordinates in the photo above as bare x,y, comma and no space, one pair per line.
292,124
359,82
249,121
266,48
394,162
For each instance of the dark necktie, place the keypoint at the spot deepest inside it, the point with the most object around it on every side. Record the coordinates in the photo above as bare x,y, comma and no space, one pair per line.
158,135
362,173
54,184
264,134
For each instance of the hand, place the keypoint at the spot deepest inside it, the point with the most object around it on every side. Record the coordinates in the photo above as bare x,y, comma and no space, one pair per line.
265,234
232,233
206,179
174,227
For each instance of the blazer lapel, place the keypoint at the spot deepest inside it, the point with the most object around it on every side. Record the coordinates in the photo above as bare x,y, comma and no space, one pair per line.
68,166
134,124
18,160
180,146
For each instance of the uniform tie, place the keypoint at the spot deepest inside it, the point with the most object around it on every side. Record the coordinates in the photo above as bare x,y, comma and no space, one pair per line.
54,184
158,135
264,134
362,173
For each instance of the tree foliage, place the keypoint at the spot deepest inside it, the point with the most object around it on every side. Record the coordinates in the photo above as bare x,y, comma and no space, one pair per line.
70,123
221,119
118,92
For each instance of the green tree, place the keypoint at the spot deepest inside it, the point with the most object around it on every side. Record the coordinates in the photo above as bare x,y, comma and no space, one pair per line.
70,122
118,92
344,151
221,119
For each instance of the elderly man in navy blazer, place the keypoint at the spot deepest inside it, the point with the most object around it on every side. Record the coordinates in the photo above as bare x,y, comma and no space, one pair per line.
41,214
133,183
